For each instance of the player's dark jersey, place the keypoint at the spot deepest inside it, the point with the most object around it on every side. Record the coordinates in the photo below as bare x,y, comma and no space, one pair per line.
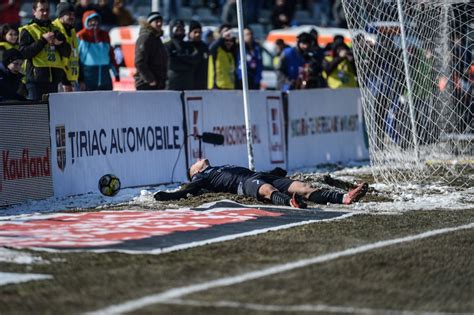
224,178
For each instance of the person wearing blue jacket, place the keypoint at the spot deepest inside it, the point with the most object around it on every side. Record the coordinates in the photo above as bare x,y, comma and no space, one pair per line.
254,61
292,61
96,55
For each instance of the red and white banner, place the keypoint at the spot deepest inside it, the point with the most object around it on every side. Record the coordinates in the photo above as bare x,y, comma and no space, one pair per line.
325,126
222,112
25,172
138,136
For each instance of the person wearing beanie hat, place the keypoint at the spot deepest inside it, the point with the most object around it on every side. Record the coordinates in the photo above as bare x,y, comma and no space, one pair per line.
151,57
201,68
43,47
96,55
183,58
11,85
153,16
297,63
65,23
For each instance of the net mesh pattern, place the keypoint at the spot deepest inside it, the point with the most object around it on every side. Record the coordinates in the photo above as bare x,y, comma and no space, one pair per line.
415,70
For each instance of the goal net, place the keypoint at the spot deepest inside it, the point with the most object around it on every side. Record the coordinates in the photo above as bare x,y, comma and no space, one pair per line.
415,71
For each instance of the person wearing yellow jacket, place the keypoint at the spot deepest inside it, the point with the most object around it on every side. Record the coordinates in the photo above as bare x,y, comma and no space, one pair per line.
43,46
65,23
8,39
339,68
222,63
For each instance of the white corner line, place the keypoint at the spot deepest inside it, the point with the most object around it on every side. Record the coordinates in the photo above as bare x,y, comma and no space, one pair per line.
177,293
301,308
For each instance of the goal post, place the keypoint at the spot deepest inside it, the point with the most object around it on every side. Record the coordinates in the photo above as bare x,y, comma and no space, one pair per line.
416,75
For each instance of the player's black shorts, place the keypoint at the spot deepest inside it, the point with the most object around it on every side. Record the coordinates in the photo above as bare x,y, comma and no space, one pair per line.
251,185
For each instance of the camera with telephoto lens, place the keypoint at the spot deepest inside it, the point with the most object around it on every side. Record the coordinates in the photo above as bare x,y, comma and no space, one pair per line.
59,36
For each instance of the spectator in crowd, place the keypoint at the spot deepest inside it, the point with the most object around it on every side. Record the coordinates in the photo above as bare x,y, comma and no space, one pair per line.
10,12
254,60
11,86
96,56
123,17
322,10
282,14
339,68
252,11
43,46
8,38
229,13
65,24
208,37
292,62
222,61
201,68
106,15
151,57
280,45
81,7
312,74
172,9
182,58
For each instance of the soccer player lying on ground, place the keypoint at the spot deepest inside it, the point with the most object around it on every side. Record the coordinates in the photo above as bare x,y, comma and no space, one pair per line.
279,190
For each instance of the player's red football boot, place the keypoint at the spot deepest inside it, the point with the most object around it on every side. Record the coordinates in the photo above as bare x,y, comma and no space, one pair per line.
297,202
355,194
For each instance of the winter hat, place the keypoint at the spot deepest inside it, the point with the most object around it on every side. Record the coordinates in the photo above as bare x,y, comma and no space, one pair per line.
194,25
153,16
11,55
305,38
64,8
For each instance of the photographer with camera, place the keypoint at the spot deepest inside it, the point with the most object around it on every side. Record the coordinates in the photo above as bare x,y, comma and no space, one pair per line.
301,66
43,46
339,66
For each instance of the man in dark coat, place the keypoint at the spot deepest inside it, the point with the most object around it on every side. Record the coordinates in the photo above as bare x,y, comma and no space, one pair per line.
183,58
10,76
151,58
201,68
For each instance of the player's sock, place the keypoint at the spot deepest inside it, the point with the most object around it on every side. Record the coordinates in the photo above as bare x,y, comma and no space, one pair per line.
279,198
323,196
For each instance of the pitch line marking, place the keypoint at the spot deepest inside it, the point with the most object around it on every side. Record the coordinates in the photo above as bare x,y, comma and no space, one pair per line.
301,308
177,293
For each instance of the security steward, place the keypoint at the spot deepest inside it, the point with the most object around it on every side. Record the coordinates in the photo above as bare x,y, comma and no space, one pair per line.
65,24
43,46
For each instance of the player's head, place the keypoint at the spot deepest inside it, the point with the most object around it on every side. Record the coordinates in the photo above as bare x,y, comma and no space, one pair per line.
198,167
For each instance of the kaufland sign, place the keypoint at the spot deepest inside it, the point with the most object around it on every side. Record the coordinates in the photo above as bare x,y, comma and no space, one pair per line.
25,171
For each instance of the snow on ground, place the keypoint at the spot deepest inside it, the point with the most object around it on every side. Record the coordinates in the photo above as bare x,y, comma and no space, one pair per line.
9,277
18,257
406,198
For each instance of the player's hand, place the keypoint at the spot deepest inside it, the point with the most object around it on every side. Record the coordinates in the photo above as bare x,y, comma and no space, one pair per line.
162,196
67,88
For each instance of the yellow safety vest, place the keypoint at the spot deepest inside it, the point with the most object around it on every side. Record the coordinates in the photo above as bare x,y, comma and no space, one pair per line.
222,70
341,77
7,45
48,57
71,64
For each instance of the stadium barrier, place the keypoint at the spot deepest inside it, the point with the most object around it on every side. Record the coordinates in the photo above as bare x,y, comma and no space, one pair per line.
25,148
222,112
325,126
146,137
138,136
